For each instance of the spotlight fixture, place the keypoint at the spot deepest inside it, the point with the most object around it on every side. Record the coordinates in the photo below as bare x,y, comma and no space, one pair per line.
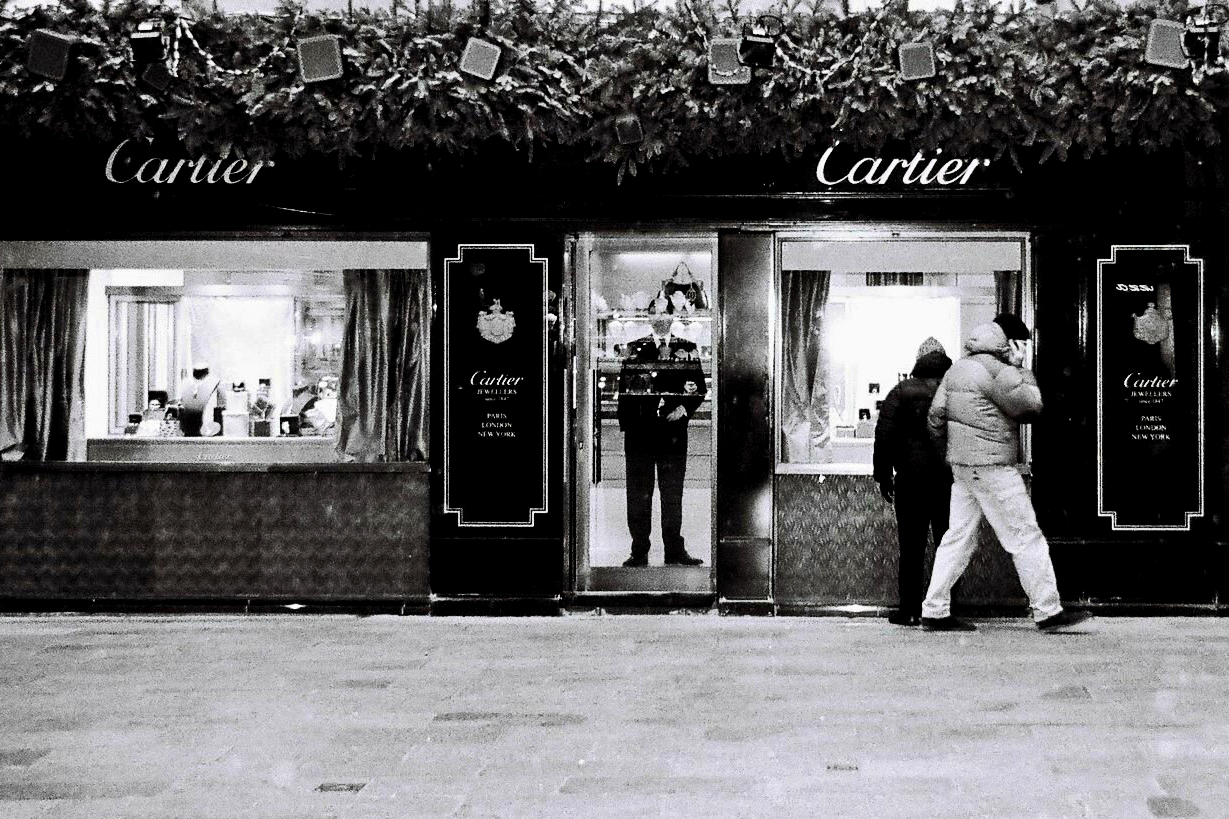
320,58
1164,46
917,61
480,58
724,67
628,129
48,53
758,47
146,43
1202,38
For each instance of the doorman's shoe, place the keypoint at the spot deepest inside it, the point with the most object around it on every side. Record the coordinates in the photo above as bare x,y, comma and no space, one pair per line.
636,560
1064,619
898,618
946,624
683,559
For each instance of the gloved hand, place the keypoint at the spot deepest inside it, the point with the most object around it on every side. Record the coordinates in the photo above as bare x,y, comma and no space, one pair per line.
887,490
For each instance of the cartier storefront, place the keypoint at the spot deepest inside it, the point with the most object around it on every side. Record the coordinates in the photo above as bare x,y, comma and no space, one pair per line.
231,391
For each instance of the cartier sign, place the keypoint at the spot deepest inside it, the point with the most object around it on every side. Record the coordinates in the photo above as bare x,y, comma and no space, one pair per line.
128,164
497,400
917,170
1150,392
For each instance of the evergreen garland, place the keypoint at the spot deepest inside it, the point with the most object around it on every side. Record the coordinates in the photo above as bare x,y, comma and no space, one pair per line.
1007,82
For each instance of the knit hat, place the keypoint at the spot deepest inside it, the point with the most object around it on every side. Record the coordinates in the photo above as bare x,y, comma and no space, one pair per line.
1013,328
930,345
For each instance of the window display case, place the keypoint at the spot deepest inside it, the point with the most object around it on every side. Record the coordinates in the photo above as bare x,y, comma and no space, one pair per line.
853,316
231,354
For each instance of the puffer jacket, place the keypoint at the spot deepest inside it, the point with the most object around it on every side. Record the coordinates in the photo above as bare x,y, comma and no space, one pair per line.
902,440
978,408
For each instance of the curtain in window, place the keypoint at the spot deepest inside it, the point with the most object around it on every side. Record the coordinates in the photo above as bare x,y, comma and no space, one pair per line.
383,403
1007,291
42,364
804,395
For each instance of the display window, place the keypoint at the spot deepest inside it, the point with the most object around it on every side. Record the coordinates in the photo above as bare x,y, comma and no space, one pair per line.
224,358
854,314
232,354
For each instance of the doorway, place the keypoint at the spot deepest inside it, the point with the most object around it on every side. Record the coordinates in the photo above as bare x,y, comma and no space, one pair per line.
646,343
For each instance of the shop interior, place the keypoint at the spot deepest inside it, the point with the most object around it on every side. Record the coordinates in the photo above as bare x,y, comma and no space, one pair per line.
213,354
853,316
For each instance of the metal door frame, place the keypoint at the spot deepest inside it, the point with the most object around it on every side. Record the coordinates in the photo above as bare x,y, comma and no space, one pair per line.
582,383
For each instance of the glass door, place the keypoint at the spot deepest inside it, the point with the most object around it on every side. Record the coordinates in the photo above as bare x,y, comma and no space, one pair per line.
646,412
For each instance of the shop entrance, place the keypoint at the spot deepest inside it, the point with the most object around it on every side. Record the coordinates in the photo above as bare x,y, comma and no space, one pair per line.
646,412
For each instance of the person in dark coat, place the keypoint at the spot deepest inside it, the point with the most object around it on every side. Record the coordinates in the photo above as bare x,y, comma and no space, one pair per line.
661,387
912,474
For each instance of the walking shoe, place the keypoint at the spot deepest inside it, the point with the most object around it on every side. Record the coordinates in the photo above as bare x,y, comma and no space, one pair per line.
948,623
636,560
1062,620
897,618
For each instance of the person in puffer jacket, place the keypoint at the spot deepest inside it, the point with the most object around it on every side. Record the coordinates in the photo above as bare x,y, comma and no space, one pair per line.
975,418
911,473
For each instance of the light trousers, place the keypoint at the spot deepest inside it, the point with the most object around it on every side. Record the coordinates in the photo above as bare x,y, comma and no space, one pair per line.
996,493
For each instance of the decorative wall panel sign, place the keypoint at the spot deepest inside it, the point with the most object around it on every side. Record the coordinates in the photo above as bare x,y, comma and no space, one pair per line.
495,376
1150,374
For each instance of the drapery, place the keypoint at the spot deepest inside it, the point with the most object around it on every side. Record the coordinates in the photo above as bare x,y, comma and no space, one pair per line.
42,364
1008,291
804,366
383,405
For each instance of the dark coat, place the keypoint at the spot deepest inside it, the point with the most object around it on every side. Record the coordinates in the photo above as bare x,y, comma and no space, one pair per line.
649,392
902,440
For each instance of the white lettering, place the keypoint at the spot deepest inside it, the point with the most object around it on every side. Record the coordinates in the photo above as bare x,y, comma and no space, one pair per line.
919,170
159,171
1135,382
111,164
481,378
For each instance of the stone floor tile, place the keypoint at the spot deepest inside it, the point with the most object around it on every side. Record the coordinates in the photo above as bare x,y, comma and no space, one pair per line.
204,717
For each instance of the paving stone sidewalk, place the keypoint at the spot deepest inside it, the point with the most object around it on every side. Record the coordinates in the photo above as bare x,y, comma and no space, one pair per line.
307,717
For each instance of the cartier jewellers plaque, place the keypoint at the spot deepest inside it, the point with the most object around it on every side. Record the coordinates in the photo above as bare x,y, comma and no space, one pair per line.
1150,404
495,401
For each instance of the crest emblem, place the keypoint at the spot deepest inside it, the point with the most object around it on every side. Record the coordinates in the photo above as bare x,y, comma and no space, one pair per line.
1150,326
495,325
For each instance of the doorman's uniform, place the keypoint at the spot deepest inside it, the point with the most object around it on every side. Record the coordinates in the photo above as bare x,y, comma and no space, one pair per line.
658,376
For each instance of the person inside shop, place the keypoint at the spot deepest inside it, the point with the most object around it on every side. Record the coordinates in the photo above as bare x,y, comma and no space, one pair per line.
975,418
198,395
661,387
912,474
